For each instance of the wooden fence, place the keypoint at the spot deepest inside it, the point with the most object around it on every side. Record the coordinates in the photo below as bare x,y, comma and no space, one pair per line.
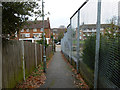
12,65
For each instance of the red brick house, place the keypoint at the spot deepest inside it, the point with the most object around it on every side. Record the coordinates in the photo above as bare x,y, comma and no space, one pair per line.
89,29
33,31
57,31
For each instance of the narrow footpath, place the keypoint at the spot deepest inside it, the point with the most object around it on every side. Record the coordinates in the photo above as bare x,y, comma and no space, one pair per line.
59,74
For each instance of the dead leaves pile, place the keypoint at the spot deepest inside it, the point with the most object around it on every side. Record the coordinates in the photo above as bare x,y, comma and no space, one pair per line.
79,82
35,80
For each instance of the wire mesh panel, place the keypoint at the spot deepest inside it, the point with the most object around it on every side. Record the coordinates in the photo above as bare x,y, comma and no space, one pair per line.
66,45
88,21
84,31
109,61
74,24
69,34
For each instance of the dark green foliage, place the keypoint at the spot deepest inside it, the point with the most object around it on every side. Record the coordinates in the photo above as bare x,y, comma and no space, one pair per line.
107,41
110,32
109,61
89,51
60,36
13,15
51,36
55,41
109,55
108,46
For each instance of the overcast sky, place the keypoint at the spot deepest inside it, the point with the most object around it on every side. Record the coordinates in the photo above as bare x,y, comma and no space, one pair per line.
62,10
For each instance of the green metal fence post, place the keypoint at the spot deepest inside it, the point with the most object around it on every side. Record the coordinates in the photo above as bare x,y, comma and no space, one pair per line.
44,52
78,41
97,44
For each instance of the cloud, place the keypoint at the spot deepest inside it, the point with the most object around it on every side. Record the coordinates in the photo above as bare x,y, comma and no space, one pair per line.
62,10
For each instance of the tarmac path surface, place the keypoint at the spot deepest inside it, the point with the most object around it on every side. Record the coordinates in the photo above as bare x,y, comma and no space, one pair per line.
59,74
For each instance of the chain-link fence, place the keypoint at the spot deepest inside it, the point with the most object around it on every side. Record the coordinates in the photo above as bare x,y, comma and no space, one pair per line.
109,60
66,43
92,41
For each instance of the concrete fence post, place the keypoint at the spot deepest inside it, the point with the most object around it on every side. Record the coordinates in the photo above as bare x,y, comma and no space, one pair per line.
23,57
36,54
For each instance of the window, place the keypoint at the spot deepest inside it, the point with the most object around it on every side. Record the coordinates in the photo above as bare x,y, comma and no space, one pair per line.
34,30
22,35
102,29
27,30
114,34
93,30
36,35
44,34
102,33
27,35
80,37
109,32
41,29
40,35
88,34
89,28
84,35
8,35
16,34
22,30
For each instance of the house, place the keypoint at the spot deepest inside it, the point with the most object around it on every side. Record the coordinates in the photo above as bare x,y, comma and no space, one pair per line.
33,31
57,31
89,29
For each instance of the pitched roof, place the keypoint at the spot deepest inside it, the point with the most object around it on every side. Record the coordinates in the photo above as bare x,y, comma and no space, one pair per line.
90,26
58,30
37,24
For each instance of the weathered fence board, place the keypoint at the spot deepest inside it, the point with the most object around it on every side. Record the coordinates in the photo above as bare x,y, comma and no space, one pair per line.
13,62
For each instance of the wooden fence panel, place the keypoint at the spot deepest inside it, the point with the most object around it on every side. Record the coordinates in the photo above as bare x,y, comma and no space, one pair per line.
38,54
12,64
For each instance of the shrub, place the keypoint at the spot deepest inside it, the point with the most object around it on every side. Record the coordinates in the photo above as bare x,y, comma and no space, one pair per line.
89,51
109,61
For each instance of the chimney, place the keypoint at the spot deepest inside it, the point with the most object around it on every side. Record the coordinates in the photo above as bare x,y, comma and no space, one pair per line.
48,19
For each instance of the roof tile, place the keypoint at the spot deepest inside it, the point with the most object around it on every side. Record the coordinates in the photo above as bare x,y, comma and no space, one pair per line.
36,24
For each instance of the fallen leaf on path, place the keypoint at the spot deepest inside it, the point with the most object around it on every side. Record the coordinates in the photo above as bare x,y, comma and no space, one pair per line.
80,82
36,79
